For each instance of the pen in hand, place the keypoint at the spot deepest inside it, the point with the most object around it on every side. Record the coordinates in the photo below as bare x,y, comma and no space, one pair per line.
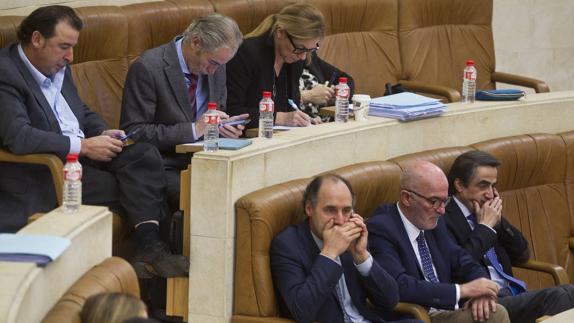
308,119
293,105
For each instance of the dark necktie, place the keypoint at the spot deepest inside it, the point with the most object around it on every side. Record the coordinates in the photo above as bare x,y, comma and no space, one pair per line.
426,259
192,78
515,285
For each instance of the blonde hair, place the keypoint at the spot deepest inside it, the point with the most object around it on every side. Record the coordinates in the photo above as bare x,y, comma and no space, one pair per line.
111,308
300,20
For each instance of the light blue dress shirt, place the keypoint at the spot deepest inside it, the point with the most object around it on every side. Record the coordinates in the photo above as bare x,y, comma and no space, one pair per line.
51,87
202,90
364,269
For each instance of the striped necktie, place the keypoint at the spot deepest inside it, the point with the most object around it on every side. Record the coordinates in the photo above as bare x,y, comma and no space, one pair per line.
192,78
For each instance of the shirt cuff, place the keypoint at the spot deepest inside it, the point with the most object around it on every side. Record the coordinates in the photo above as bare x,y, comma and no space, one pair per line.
333,260
457,287
488,226
75,145
195,138
364,268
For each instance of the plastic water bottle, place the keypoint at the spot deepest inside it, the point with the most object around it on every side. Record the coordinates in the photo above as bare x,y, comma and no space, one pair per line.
266,108
211,136
342,100
72,184
469,82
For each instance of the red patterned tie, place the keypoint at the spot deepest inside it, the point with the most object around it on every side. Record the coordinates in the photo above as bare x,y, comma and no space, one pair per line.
191,94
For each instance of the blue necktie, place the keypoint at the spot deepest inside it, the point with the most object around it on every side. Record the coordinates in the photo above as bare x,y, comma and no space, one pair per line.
426,258
515,285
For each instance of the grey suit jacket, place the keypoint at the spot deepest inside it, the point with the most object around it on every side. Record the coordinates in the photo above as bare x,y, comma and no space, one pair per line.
155,99
28,125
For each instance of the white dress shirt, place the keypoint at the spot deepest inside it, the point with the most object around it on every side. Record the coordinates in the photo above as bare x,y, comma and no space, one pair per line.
413,232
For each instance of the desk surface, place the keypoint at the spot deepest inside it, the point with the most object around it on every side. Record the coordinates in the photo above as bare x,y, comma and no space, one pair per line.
219,179
566,316
28,292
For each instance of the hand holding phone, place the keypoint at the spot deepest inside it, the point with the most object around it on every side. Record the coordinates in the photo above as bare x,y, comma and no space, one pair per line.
128,135
234,122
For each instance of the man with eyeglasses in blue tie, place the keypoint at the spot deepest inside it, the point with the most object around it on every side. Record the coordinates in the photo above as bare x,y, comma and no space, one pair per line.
410,241
475,222
322,268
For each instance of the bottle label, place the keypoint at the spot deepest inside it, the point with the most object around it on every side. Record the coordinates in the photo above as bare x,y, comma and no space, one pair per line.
75,175
470,75
343,92
211,119
266,107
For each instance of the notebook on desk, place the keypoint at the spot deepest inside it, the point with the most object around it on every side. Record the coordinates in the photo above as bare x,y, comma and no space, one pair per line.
233,144
39,249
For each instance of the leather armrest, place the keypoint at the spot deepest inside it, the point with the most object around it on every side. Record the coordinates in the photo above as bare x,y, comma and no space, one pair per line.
51,161
450,94
414,310
537,85
557,272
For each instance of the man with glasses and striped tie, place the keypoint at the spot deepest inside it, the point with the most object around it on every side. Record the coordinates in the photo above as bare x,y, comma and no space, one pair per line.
475,222
410,241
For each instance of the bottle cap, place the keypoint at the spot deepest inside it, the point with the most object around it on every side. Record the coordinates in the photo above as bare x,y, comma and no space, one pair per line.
212,106
72,157
342,80
266,94
469,62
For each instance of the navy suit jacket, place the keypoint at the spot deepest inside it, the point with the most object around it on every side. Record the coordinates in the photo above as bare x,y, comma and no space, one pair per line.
306,281
509,244
391,248
28,125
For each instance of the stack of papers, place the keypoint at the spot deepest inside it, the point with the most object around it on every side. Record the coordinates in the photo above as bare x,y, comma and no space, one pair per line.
39,249
406,106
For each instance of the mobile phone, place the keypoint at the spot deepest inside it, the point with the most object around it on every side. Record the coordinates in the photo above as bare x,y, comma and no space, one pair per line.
128,135
235,122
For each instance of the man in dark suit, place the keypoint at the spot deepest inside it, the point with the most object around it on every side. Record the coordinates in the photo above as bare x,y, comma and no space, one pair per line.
409,239
168,87
42,113
322,268
475,221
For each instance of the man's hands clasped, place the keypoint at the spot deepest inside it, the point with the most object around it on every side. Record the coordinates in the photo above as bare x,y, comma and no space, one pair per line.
351,235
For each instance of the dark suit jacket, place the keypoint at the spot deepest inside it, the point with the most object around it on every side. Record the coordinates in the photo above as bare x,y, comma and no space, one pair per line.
156,102
306,281
251,72
508,242
391,248
28,125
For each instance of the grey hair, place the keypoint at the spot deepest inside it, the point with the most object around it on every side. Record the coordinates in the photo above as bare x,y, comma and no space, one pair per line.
214,31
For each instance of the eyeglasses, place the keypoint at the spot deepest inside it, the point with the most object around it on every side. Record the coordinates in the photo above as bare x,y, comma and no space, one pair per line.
300,50
434,201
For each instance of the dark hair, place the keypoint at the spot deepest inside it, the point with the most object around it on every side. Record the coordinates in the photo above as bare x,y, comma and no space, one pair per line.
465,165
44,20
313,188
